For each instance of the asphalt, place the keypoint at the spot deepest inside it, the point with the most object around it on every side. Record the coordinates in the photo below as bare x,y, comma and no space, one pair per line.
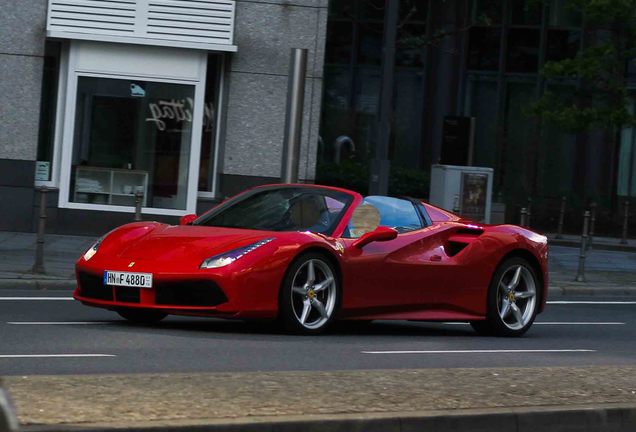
504,399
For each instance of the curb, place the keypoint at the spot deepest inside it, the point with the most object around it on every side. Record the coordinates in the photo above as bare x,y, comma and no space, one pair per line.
613,417
38,284
8,420
595,246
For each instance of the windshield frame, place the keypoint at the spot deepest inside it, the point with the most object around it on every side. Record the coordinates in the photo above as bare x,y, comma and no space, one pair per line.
335,193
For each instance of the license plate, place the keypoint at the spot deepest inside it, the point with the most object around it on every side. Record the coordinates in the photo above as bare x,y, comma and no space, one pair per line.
141,280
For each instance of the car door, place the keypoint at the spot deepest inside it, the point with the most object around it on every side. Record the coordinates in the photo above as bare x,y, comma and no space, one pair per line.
400,275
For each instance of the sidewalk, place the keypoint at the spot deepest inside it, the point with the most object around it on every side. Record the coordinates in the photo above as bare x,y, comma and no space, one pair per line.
607,272
442,400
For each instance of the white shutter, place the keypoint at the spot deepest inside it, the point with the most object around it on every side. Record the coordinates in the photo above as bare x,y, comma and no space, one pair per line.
202,24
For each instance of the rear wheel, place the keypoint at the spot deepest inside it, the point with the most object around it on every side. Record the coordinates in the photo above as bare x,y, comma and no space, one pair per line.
310,295
142,316
513,300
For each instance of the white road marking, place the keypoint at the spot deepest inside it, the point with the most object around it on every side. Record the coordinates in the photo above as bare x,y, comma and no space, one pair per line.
595,302
35,298
57,322
53,355
482,351
553,323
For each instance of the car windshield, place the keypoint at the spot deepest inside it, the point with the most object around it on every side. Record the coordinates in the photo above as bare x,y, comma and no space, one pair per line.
281,209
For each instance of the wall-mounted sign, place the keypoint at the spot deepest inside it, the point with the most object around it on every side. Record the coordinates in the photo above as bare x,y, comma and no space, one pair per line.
42,170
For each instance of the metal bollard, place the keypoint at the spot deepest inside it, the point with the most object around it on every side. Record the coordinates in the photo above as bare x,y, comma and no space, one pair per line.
8,420
580,273
529,212
524,217
561,218
592,222
38,266
139,196
625,222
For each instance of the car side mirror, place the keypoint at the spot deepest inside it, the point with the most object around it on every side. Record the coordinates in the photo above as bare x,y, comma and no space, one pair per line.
381,233
187,219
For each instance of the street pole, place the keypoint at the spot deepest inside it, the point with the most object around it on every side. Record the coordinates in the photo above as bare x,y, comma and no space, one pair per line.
580,273
592,223
294,115
625,222
561,219
38,266
380,166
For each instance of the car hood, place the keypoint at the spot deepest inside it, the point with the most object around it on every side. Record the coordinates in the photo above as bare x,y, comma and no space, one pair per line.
168,243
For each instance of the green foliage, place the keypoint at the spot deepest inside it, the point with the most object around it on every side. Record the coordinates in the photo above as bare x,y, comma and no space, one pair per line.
599,97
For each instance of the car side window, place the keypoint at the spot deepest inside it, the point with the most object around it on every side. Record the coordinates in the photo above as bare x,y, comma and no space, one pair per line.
391,212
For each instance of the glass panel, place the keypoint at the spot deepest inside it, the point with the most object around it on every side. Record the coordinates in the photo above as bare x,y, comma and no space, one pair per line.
562,44
406,146
341,9
525,12
483,51
208,134
563,13
370,43
523,50
413,11
339,42
131,136
487,12
482,101
371,10
410,46
627,161
48,104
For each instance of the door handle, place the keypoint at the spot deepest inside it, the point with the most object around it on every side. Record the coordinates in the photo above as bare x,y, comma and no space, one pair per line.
436,257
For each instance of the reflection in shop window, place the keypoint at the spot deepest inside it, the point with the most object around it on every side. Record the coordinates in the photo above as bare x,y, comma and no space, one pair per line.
483,51
208,134
131,136
563,44
523,50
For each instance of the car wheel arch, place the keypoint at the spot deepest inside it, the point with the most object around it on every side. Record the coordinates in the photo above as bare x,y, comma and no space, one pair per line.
532,260
322,251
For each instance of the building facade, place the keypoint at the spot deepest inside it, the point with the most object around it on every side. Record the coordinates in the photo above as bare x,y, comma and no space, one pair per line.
183,101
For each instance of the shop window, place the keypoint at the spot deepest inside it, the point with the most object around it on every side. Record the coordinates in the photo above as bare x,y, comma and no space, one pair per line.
626,184
411,45
483,51
523,50
562,44
339,42
46,136
413,11
131,136
208,133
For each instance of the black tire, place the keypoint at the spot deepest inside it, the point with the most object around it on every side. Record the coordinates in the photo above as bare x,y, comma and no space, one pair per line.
142,316
292,304
511,310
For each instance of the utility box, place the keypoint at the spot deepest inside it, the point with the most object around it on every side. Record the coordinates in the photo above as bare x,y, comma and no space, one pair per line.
465,190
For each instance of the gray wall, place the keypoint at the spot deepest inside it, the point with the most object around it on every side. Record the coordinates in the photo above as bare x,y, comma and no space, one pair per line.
22,31
257,89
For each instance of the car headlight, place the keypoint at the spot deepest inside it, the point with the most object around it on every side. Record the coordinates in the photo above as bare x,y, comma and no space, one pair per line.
92,250
225,258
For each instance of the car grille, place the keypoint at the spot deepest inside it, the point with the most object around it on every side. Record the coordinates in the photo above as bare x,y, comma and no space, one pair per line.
92,286
189,293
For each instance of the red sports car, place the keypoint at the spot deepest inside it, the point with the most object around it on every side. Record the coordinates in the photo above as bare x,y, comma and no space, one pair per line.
309,255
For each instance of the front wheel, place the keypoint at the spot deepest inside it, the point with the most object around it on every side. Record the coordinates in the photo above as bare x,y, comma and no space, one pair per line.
513,300
310,295
142,316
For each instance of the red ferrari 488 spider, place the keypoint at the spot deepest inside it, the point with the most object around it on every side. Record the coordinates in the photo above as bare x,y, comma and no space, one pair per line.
309,255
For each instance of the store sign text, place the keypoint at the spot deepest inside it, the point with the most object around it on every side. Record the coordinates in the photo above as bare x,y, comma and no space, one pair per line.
179,110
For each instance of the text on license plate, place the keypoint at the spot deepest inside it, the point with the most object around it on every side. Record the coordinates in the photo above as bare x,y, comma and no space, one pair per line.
142,280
